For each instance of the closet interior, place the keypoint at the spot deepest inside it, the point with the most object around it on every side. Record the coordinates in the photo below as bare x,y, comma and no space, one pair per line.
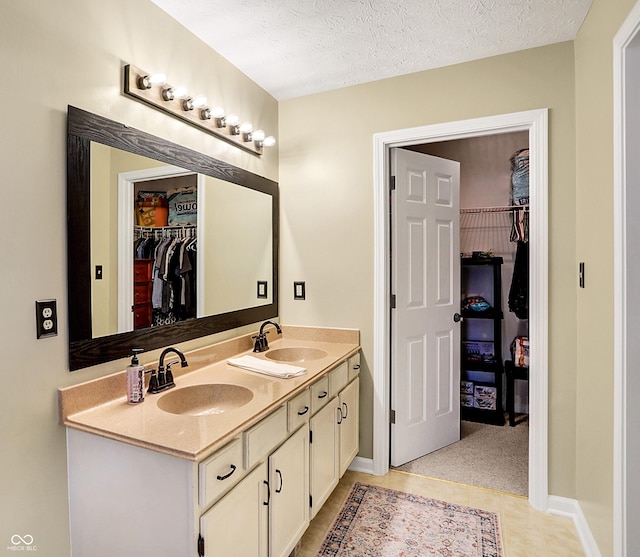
165,250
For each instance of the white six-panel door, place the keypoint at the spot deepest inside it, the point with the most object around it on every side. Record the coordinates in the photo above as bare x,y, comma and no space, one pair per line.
425,352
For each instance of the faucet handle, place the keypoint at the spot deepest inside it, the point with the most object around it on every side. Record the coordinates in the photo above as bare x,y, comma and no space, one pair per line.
168,376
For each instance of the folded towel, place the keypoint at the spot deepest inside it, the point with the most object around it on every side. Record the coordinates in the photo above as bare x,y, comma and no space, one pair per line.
266,367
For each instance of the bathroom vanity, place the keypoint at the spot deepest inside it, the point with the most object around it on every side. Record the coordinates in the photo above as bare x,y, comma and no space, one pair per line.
240,478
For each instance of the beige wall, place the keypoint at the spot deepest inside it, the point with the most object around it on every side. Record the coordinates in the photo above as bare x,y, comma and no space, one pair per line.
53,54
326,181
594,227
71,52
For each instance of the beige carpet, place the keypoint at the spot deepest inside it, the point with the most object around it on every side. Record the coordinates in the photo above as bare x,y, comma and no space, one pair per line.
495,457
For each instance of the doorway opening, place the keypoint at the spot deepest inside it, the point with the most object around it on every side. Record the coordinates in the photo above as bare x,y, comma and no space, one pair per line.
493,230
535,123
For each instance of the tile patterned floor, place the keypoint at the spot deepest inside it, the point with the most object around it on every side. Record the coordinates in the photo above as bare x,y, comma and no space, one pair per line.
526,532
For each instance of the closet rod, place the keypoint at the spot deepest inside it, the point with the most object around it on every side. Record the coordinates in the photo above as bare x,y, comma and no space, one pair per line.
495,209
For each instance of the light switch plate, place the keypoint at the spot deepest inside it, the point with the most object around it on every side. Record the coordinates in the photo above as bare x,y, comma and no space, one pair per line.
299,290
46,318
262,289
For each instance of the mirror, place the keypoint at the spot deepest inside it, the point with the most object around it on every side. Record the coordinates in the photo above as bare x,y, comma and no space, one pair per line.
234,239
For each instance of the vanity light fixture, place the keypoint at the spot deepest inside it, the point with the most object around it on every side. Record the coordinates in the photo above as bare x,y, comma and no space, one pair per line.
153,90
233,123
246,130
148,81
219,117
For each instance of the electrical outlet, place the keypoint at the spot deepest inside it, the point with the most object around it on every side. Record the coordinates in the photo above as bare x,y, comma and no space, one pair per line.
46,318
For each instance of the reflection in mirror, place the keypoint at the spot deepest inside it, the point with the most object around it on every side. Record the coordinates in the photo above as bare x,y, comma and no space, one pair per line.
225,250
234,233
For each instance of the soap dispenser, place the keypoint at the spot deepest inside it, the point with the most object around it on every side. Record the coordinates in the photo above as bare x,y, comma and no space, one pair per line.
135,379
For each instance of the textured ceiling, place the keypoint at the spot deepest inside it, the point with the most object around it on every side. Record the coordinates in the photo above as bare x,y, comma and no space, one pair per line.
298,47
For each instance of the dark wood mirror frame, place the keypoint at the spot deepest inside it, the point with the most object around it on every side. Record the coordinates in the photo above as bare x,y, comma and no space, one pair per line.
85,351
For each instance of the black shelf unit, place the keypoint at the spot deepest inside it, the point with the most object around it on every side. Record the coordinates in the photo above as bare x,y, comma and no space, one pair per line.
482,369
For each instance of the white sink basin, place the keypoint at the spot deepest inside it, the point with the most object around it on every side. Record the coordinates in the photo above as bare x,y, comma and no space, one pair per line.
296,354
204,400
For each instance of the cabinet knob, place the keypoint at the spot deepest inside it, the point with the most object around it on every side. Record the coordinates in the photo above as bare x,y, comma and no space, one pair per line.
457,317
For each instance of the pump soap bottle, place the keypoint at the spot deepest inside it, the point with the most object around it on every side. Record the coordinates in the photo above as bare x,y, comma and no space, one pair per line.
135,379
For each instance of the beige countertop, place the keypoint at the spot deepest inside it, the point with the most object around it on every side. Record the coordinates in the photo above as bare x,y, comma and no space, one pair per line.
100,406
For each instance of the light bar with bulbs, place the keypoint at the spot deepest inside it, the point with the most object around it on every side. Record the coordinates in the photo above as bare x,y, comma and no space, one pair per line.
153,90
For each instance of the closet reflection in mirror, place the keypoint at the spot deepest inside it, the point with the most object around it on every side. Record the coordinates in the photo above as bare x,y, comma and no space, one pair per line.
201,253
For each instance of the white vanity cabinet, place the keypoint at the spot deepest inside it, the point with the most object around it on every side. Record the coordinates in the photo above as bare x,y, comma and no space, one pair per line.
348,424
324,447
334,430
238,523
253,497
289,485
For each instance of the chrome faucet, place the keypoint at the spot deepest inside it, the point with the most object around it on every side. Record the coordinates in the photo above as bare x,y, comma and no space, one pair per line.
164,379
261,344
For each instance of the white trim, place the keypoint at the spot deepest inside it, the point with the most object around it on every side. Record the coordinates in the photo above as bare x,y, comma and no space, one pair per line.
570,508
360,464
125,234
627,32
535,121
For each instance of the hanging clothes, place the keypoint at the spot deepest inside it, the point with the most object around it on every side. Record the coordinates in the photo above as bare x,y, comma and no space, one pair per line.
519,291
173,280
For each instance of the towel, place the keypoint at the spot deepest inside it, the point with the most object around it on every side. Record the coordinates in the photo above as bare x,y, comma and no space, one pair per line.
266,367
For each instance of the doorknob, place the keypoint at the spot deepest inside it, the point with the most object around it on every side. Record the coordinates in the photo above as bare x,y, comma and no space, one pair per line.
457,317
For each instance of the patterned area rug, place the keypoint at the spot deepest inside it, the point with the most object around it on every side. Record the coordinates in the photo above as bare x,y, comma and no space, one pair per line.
380,522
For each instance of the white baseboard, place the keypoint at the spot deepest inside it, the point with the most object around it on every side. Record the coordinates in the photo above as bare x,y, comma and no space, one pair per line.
360,464
571,508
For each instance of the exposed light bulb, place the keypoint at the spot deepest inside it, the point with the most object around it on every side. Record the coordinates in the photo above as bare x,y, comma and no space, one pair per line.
199,101
232,122
269,141
258,135
147,81
180,93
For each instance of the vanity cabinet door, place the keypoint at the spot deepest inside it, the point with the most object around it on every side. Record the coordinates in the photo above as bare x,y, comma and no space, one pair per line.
323,455
348,420
289,483
237,524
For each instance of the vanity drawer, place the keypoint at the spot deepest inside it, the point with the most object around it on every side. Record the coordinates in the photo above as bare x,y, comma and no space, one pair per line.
264,436
319,394
354,366
220,472
299,410
338,379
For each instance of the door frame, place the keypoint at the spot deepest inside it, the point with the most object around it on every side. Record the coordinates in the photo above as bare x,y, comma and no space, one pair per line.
625,387
126,222
536,123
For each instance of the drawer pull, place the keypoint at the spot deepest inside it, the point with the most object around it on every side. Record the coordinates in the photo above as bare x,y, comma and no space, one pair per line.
279,490
323,394
346,410
303,412
227,475
339,415
357,366
265,482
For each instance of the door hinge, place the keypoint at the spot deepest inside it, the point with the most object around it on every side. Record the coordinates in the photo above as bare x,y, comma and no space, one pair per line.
310,437
310,501
200,545
393,301
392,183
392,417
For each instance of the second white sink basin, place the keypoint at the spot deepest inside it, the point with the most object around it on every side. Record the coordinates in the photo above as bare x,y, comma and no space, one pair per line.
295,354
207,399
